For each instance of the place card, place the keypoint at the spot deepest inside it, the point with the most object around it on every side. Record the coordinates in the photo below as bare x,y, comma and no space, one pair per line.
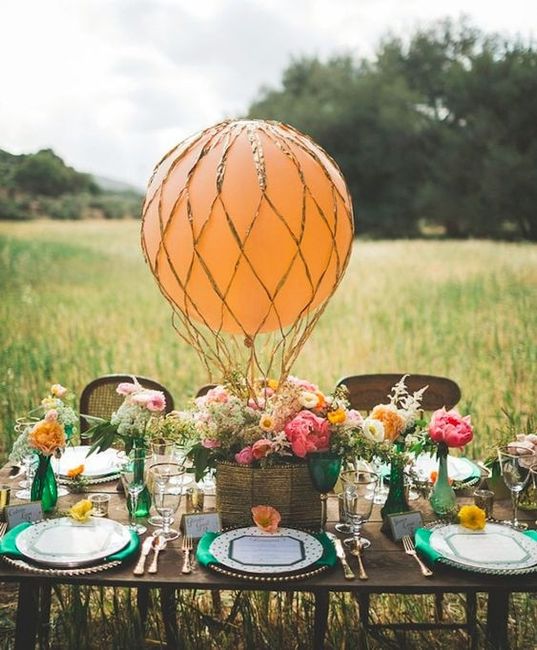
404,523
16,515
195,525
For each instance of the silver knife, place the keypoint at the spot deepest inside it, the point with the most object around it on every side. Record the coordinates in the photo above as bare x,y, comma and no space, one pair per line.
340,552
146,548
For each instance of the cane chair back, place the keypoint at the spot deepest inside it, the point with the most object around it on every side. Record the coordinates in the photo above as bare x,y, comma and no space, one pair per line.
100,399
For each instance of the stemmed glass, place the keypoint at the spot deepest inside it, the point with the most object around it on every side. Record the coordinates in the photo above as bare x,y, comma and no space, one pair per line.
162,451
515,463
533,474
29,461
167,492
324,470
135,483
357,488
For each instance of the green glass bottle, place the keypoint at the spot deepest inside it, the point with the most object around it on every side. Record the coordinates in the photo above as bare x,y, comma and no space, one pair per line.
443,498
143,504
44,486
396,499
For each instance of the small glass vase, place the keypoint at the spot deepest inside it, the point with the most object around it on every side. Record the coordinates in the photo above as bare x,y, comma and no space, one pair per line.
44,487
143,504
396,501
443,498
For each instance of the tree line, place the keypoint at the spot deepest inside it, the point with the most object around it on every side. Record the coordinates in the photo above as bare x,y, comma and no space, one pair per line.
437,133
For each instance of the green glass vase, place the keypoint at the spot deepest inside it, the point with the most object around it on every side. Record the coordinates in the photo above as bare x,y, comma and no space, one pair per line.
143,504
396,500
443,498
44,486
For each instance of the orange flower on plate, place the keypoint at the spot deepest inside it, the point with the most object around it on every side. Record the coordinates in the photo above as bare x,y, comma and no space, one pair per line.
46,437
76,471
267,518
393,422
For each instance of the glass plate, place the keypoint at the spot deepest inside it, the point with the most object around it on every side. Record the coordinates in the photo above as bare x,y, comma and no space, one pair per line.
66,543
253,551
95,466
496,549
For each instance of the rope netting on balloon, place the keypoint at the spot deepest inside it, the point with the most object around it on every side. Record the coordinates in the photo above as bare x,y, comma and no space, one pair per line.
241,320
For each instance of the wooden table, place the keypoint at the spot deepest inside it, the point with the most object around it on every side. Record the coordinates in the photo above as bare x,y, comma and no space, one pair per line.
389,569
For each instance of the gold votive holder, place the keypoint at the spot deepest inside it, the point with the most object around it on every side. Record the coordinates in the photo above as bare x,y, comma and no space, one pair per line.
484,499
195,499
5,496
100,504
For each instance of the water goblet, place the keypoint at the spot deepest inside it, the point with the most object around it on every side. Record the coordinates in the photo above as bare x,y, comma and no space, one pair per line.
324,470
357,488
515,462
343,525
167,492
162,451
29,460
135,483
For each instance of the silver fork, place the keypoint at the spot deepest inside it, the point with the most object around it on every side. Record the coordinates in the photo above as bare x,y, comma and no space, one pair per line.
410,550
3,528
187,547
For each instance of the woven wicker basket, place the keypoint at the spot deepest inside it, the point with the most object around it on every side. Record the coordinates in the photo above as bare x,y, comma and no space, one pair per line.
287,488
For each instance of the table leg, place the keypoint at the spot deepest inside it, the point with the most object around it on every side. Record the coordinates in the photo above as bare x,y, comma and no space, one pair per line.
321,618
43,631
497,612
27,616
142,602
169,616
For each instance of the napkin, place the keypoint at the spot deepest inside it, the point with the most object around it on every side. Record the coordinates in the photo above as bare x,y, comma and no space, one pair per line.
205,557
431,555
8,545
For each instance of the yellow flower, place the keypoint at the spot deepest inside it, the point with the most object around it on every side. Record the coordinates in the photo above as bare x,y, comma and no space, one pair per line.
472,517
273,383
82,510
337,417
76,471
393,422
266,422
47,436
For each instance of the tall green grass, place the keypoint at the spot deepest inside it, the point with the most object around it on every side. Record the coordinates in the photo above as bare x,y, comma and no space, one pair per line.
78,301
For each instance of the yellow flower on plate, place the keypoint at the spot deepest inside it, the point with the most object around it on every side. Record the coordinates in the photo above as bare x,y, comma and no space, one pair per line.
337,417
472,517
82,510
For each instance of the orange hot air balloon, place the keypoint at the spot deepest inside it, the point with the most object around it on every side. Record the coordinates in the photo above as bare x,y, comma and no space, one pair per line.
247,227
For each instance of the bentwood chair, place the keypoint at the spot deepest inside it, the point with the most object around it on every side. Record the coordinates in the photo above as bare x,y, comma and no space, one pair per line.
365,392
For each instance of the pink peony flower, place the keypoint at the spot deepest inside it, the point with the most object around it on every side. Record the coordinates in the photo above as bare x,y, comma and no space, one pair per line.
156,401
126,388
51,416
141,398
267,518
217,394
261,448
58,390
244,457
210,443
451,428
308,432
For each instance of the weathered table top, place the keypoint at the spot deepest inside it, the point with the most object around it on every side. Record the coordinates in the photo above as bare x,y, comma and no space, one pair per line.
390,570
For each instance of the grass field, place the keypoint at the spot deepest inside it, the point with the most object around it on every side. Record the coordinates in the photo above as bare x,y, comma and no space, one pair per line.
77,302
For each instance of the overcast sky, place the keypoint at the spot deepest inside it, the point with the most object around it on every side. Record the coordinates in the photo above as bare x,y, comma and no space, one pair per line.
111,85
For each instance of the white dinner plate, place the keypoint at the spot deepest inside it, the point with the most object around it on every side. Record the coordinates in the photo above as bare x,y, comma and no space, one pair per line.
96,465
67,543
254,551
459,469
496,549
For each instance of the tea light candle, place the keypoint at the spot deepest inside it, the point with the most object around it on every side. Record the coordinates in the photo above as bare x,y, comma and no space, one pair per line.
100,503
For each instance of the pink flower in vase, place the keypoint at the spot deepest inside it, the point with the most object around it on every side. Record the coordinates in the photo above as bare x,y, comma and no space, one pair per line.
156,401
210,443
126,388
51,416
451,428
244,456
217,394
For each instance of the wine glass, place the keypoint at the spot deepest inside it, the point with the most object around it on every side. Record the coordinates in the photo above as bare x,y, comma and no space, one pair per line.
134,481
533,475
29,460
515,462
324,470
167,492
357,488
162,451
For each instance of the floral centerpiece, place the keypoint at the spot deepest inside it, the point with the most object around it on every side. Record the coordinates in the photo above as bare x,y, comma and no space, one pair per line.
58,405
132,424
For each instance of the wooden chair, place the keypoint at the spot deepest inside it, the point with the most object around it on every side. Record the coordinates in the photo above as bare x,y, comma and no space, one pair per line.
365,392
99,398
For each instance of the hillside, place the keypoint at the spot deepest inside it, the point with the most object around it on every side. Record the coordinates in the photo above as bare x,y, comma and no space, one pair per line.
41,185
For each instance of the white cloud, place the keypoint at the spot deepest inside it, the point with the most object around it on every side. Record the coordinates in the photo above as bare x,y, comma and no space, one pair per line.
113,84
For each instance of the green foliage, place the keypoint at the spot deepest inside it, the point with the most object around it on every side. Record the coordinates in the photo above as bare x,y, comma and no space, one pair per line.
438,130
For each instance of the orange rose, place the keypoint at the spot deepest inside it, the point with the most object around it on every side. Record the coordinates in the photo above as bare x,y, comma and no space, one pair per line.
393,422
76,471
267,518
46,437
